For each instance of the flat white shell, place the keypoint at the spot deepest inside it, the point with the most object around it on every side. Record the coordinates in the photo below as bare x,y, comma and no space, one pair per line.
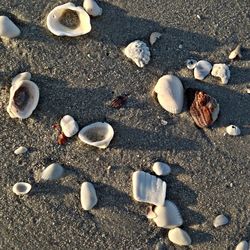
202,69
154,37
233,130
235,53
92,8
170,93
20,77
52,172
220,220
20,150
88,196
191,63
167,216
161,168
243,245
179,237
21,188
138,52
98,134
148,188
222,71
58,29
69,126
7,28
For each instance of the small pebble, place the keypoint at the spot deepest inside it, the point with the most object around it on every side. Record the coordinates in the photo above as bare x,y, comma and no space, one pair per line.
161,168
20,150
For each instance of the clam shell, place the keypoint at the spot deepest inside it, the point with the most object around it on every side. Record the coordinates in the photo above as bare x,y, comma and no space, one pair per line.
98,134
92,8
179,237
24,96
220,220
222,71
138,52
154,37
148,188
170,93
88,196
243,245
21,188
168,216
52,172
202,69
20,150
69,126
20,77
7,28
161,168
57,28
235,53
233,130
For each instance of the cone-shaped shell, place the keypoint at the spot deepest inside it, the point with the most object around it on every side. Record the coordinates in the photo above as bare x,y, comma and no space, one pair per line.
7,28
92,7
98,134
21,188
243,245
220,220
170,93
88,196
179,237
233,130
52,172
58,29
69,126
20,77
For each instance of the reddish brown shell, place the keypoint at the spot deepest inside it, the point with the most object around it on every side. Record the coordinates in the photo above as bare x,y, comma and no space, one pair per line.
119,101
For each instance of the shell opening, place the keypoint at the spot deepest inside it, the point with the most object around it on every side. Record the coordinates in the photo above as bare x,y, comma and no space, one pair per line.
69,18
21,188
21,97
96,134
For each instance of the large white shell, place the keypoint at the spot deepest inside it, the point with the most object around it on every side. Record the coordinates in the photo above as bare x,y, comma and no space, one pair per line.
98,134
167,216
20,150
222,71
148,188
92,7
21,188
235,53
138,52
233,130
220,220
88,196
170,93
243,245
52,172
69,126
20,77
202,69
20,90
7,28
154,37
161,168
179,237
58,29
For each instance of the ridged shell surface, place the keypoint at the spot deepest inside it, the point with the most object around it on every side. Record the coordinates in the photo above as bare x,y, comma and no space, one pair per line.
52,172
88,196
179,237
7,28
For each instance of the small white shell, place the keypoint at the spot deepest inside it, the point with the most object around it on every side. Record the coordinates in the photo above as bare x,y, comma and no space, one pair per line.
179,237
235,53
233,130
170,93
69,126
148,188
52,172
243,245
220,220
98,134
92,8
21,188
202,69
88,196
138,52
154,37
20,77
222,71
161,168
20,150
7,28
191,63
58,29
248,90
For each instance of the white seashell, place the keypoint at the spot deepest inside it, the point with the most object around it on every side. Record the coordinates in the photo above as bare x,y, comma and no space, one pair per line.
233,130
220,220
24,96
248,90
7,28
179,237
69,126
235,53
222,71
168,216
88,196
154,37
52,172
98,134
20,77
161,168
202,69
191,63
138,52
243,245
148,188
92,8
57,28
21,188
20,150
170,93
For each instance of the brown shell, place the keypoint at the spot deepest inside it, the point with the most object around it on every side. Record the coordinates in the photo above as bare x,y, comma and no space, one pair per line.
119,101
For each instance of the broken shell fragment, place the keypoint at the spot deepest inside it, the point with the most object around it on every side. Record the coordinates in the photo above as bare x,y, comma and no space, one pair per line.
92,8
88,196
191,63
148,188
236,53
170,93
222,71
21,188
243,245
202,69
20,150
7,28
179,237
161,168
52,172
154,37
233,130
98,134
69,126
138,52
220,220
59,27
20,77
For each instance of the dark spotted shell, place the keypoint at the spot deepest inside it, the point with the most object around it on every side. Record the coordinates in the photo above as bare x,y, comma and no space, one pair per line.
119,101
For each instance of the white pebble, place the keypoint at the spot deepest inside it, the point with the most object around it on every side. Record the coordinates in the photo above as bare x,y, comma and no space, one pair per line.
88,196
20,150
161,168
69,126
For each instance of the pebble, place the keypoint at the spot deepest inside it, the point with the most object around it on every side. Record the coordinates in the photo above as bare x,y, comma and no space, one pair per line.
20,150
243,245
52,172
161,168
88,196
179,237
